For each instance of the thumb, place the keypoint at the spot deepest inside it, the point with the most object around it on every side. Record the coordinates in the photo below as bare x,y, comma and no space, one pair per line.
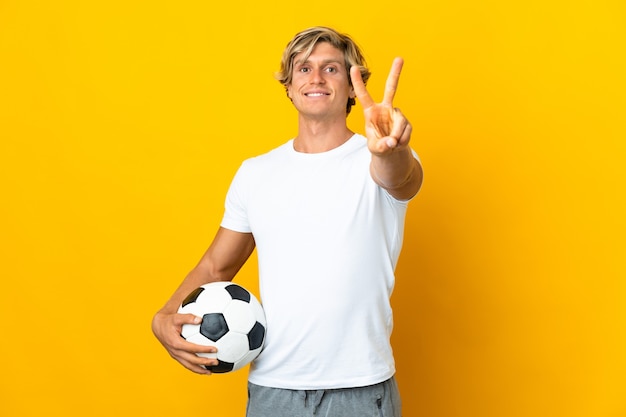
187,319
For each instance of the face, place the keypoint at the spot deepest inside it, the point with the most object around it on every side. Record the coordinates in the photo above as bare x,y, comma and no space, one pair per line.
319,86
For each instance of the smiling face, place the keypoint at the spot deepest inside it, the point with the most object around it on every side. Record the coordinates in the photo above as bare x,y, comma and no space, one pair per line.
319,86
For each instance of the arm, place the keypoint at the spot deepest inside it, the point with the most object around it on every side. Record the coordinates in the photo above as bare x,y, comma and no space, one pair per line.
388,132
222,260
399,173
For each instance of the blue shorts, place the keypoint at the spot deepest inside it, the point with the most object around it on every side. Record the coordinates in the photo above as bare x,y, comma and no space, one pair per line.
379,400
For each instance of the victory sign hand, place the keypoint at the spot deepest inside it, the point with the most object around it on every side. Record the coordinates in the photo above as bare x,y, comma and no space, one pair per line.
386,127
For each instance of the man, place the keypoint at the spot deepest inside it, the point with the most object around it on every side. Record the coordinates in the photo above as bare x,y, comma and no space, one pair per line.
326,214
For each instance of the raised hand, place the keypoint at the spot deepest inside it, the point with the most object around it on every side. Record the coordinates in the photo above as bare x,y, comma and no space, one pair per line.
388,133
386,127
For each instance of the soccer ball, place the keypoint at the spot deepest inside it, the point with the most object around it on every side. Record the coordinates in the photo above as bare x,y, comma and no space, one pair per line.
232,320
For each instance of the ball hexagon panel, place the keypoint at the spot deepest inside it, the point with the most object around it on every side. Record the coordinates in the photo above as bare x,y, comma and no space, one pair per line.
206,302
239,316
258,312
249,357
198,339
190,330
232,347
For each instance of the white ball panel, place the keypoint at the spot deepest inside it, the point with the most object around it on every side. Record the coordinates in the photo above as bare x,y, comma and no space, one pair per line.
258,311
248,357
198,339
239,316
189,330
193,308
232,347
212,300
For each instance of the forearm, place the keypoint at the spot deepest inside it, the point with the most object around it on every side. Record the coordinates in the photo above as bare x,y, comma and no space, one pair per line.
196,277
221,262
399,172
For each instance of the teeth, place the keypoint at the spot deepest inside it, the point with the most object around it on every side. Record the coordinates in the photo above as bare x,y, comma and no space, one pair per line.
316,94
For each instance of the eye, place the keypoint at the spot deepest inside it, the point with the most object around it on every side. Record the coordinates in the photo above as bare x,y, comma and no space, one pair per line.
331,69
303,69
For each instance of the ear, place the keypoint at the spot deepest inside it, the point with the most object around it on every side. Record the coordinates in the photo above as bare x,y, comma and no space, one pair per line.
352,93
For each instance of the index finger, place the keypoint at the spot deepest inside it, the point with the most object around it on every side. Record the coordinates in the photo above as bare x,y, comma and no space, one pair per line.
359,87
392,81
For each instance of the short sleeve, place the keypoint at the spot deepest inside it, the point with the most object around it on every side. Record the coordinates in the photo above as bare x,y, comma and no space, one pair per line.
235,213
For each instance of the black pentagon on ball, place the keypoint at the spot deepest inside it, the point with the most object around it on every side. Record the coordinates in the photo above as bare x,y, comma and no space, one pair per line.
256,336
213,326
192,297
238,293
221,367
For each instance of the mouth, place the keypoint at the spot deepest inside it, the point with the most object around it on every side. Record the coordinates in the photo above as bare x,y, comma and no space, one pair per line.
316,94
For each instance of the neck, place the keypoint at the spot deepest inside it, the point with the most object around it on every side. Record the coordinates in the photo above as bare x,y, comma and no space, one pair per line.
316,136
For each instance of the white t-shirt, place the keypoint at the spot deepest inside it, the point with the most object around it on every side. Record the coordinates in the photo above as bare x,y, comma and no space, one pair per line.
328,239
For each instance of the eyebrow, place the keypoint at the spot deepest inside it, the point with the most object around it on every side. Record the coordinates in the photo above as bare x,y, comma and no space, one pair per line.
325,61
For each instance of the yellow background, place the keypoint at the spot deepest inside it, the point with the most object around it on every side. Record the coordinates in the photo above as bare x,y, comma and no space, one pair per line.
123,122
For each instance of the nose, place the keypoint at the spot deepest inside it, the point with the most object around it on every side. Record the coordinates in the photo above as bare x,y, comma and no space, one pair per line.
316,76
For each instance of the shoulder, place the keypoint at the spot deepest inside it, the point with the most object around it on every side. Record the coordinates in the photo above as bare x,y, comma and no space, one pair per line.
281,151
269,158
257,166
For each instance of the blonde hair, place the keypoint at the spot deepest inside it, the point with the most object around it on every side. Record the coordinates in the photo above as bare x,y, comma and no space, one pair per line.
305,41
